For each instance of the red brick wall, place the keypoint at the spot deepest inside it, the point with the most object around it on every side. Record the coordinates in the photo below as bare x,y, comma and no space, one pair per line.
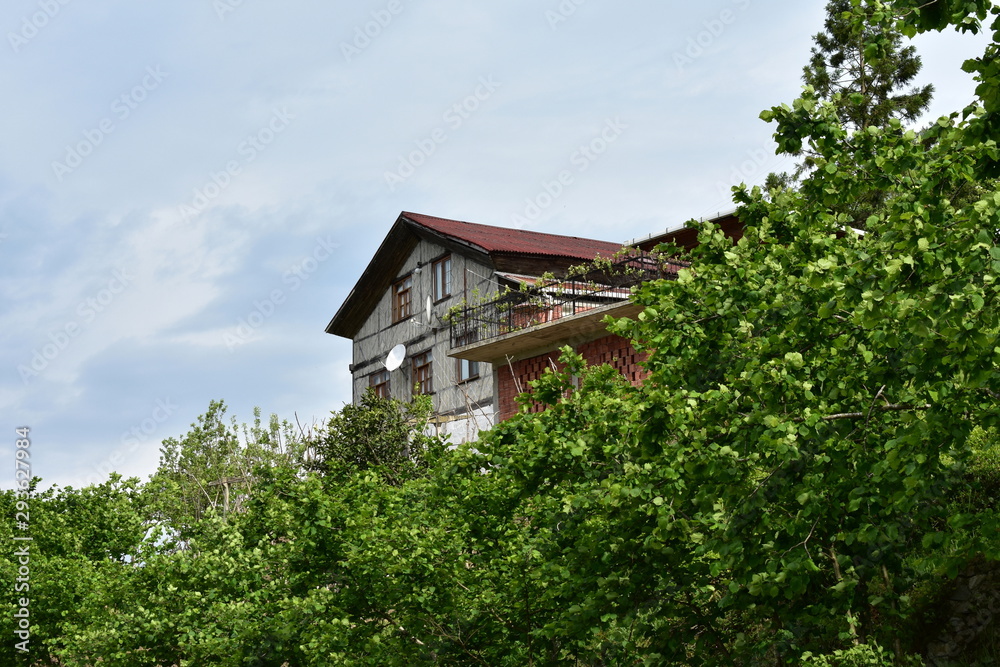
615,351
618,353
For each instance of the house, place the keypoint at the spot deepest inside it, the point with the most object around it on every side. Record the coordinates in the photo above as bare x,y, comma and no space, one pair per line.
520,334
425,269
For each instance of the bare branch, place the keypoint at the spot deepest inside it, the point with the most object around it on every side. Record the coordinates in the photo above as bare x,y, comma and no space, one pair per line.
898,407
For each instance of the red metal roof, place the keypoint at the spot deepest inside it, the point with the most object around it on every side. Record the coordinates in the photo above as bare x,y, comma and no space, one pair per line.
501,240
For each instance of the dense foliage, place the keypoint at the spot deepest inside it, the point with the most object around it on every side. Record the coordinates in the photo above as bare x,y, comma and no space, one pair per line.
812,456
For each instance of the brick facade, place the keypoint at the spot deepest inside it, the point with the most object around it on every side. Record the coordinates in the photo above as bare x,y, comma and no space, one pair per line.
615,351
618,353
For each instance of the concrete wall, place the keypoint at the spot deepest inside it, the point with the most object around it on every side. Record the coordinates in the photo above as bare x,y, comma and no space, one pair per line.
462,408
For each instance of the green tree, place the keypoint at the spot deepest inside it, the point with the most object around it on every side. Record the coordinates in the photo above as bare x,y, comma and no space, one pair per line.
867,74
363,565
381,434
80,538
864,70
777,485
214,465
821,387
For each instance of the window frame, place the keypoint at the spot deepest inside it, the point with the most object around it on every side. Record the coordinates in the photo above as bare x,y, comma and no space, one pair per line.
381,388
472,366
422,366
402,298
443,266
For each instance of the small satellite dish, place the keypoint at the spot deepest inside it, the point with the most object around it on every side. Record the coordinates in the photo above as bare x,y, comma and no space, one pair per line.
430,305
395,358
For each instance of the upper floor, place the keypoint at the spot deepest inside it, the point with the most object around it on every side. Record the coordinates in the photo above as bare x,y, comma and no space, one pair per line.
426,269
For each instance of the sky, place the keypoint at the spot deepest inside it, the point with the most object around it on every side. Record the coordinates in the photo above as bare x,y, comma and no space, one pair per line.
189,190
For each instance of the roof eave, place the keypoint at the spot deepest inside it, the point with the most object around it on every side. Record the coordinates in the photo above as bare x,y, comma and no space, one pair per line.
383,268
353,311
452,243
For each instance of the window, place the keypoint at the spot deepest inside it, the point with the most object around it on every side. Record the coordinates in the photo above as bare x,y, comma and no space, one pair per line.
467,370
442,278
402,299
379,382
422,380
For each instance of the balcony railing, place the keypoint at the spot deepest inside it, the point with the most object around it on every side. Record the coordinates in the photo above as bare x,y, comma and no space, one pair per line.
551,300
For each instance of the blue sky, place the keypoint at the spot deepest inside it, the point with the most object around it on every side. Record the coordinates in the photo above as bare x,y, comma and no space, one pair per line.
189,190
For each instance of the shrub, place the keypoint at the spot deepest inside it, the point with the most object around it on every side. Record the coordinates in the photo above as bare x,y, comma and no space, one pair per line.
863,655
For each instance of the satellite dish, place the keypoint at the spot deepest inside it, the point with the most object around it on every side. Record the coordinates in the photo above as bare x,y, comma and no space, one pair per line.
429,306
395,358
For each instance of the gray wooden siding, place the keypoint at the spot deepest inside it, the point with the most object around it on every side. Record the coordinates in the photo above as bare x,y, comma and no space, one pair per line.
463,408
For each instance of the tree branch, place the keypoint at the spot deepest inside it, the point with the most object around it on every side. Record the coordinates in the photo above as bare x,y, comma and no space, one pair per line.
898,407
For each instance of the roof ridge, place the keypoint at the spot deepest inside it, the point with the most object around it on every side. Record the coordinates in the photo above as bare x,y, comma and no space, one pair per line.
416,217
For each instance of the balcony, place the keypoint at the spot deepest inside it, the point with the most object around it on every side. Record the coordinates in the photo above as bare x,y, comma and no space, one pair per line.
547,312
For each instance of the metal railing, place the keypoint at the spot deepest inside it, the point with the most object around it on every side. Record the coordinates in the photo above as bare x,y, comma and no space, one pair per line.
551,300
